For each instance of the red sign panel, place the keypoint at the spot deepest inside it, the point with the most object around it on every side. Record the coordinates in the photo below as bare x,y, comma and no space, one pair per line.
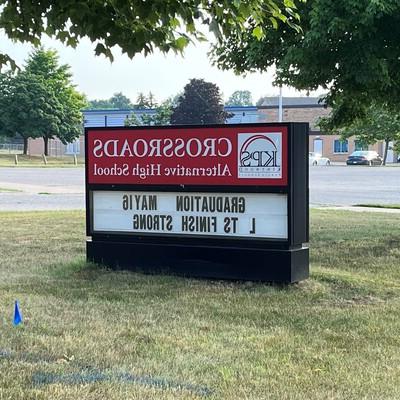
226,155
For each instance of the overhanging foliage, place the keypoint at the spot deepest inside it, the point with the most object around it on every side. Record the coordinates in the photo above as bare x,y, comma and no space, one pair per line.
349,48
138,26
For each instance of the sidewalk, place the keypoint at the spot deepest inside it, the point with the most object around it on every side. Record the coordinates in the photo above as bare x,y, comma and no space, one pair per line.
357,209
35,189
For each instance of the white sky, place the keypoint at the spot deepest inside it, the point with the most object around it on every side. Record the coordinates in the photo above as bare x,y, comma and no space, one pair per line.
163,75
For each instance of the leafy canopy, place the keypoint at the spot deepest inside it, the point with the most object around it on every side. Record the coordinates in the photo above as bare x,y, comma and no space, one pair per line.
145,102
117,100
26,104
200,103
136,25
102,104
380,123
348,47
120,101
161,116
240,98
45,64
41,101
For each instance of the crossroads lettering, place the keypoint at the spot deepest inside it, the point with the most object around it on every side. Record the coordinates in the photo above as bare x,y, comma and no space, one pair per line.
260,155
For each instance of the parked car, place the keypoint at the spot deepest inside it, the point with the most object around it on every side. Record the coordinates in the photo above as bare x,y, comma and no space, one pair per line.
317,159
364,158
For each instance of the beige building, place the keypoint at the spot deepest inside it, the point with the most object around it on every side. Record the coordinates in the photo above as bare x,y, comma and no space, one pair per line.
308,109
294,109
56,147
335,149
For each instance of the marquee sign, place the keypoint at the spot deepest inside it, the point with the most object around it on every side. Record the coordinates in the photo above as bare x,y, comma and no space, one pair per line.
177,195
242,215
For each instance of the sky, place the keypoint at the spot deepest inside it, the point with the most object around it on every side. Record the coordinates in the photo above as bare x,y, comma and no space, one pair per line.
163,75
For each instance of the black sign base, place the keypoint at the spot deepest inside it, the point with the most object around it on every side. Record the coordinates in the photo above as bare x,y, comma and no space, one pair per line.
267,265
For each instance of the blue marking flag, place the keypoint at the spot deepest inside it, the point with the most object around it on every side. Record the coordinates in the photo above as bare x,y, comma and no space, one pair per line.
17,315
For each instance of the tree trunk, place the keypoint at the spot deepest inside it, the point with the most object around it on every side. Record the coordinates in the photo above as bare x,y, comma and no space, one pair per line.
25,146
386,151
46,145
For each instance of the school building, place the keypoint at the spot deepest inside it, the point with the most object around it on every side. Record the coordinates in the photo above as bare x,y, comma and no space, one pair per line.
294,109
310,109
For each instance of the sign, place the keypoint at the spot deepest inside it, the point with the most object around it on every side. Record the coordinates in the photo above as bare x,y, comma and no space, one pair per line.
220,201
246,215
190,156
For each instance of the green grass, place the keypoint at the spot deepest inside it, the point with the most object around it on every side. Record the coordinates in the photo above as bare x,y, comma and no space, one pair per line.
391,206
334,336
6,151
7,190
8,160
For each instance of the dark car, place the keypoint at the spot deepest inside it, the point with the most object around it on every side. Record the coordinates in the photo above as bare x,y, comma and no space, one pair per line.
364,158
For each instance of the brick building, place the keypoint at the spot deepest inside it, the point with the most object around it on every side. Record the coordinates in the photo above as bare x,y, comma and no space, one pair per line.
310,109
294,109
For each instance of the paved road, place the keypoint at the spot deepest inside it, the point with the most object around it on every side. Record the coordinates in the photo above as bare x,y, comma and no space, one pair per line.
342,185
63,188
42,188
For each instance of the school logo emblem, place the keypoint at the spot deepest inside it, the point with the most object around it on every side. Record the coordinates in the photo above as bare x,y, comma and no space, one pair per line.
260,155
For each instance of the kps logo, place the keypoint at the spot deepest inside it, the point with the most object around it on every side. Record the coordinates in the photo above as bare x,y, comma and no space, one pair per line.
259,155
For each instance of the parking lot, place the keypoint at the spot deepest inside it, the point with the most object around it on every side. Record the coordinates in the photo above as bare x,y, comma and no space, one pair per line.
63,188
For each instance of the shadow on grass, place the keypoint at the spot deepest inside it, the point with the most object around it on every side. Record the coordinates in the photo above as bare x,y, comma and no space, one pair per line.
86,377
89,374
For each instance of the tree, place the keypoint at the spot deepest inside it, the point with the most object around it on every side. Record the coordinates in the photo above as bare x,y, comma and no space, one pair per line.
162,116
240,98
118,100
67,108
349,48
137,26
100,104
133,120
200,103
151,100
379,124
24,103
145,102
141,101
41,101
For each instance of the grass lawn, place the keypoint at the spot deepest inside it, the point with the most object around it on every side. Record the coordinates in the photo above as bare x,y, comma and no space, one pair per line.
395,206
7,190
8,160
91,333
